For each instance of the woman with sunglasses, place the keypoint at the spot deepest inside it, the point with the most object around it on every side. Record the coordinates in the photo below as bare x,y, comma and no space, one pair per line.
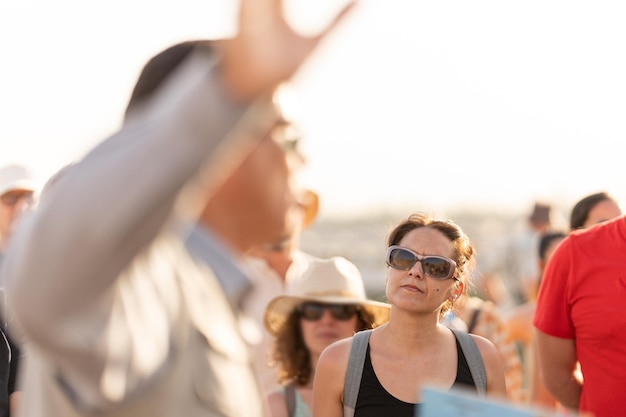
327,303
429,263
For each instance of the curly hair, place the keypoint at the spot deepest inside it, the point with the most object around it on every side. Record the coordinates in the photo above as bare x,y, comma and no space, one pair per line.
464,251
292,356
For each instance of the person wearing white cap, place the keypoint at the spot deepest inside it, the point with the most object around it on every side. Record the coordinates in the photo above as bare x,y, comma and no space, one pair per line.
324,304
17,187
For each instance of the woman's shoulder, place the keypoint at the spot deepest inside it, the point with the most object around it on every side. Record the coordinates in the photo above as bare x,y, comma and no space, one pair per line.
485,346
494,366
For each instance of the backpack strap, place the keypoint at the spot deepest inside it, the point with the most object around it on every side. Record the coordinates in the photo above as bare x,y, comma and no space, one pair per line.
351,387
474,360
473,320
290,398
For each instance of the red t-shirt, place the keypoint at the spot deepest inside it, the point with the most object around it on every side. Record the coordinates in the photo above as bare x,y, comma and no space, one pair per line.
583,297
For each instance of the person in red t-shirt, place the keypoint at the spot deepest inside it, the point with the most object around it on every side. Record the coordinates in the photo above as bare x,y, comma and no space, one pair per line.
579,317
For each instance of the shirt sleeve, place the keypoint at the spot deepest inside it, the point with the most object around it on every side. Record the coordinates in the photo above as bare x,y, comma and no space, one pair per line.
106,209
553,311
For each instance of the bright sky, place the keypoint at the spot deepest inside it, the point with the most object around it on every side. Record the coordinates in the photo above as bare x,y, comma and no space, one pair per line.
409,105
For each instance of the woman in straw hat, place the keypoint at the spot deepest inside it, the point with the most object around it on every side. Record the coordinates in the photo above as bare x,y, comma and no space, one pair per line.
327,303
429,262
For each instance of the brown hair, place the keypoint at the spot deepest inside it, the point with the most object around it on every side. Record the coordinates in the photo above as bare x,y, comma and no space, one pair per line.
291,354
581,209
464,252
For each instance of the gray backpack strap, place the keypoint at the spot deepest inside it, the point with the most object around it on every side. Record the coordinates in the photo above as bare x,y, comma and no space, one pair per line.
354,372
290,398
474,360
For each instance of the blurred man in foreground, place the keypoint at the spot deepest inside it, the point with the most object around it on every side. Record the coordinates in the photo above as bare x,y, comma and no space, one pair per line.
118,318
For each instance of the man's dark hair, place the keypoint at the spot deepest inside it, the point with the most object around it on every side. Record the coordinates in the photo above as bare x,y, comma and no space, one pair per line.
546,240
581,210
159,67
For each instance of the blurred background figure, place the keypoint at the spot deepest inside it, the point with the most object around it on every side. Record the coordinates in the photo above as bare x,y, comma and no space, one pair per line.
521,271
518,324
323,305
593,209
17,191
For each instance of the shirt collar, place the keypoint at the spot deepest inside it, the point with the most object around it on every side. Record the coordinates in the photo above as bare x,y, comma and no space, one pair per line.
204,246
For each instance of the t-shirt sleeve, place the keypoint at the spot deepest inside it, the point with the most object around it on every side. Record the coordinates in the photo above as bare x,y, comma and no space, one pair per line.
553,312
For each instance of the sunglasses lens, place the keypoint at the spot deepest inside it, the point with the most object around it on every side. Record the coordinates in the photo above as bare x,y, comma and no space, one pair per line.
311,311
314,311
401,259
436,267
342,312
12,197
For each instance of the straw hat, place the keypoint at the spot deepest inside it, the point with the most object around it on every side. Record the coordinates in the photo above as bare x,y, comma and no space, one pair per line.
331,281
15,177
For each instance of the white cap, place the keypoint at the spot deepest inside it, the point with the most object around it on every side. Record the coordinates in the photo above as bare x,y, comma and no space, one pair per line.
16,177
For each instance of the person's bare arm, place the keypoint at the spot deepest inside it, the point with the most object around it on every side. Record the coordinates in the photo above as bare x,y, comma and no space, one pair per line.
539,394
14,402
557,366
277,404
329,380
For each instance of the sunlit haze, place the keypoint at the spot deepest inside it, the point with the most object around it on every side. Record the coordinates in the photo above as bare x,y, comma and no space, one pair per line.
408,105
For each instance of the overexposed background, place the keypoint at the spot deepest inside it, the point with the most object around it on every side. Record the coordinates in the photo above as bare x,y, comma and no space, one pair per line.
439,106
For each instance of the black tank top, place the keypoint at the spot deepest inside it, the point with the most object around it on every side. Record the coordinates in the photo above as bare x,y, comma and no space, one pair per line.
374,401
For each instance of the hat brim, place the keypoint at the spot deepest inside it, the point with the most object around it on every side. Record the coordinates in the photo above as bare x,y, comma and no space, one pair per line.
26,185
279,309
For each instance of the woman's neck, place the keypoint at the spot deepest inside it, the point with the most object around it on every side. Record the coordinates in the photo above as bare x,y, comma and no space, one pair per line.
411,332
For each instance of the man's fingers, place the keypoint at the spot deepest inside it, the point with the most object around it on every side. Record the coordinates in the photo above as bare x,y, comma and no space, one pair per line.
251,11
339,17
266,50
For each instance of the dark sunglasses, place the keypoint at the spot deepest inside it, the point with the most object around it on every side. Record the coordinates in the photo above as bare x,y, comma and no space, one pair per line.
436,267
315,311
12,197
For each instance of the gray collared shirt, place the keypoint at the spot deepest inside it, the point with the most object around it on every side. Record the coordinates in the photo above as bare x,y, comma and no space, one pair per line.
204,246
